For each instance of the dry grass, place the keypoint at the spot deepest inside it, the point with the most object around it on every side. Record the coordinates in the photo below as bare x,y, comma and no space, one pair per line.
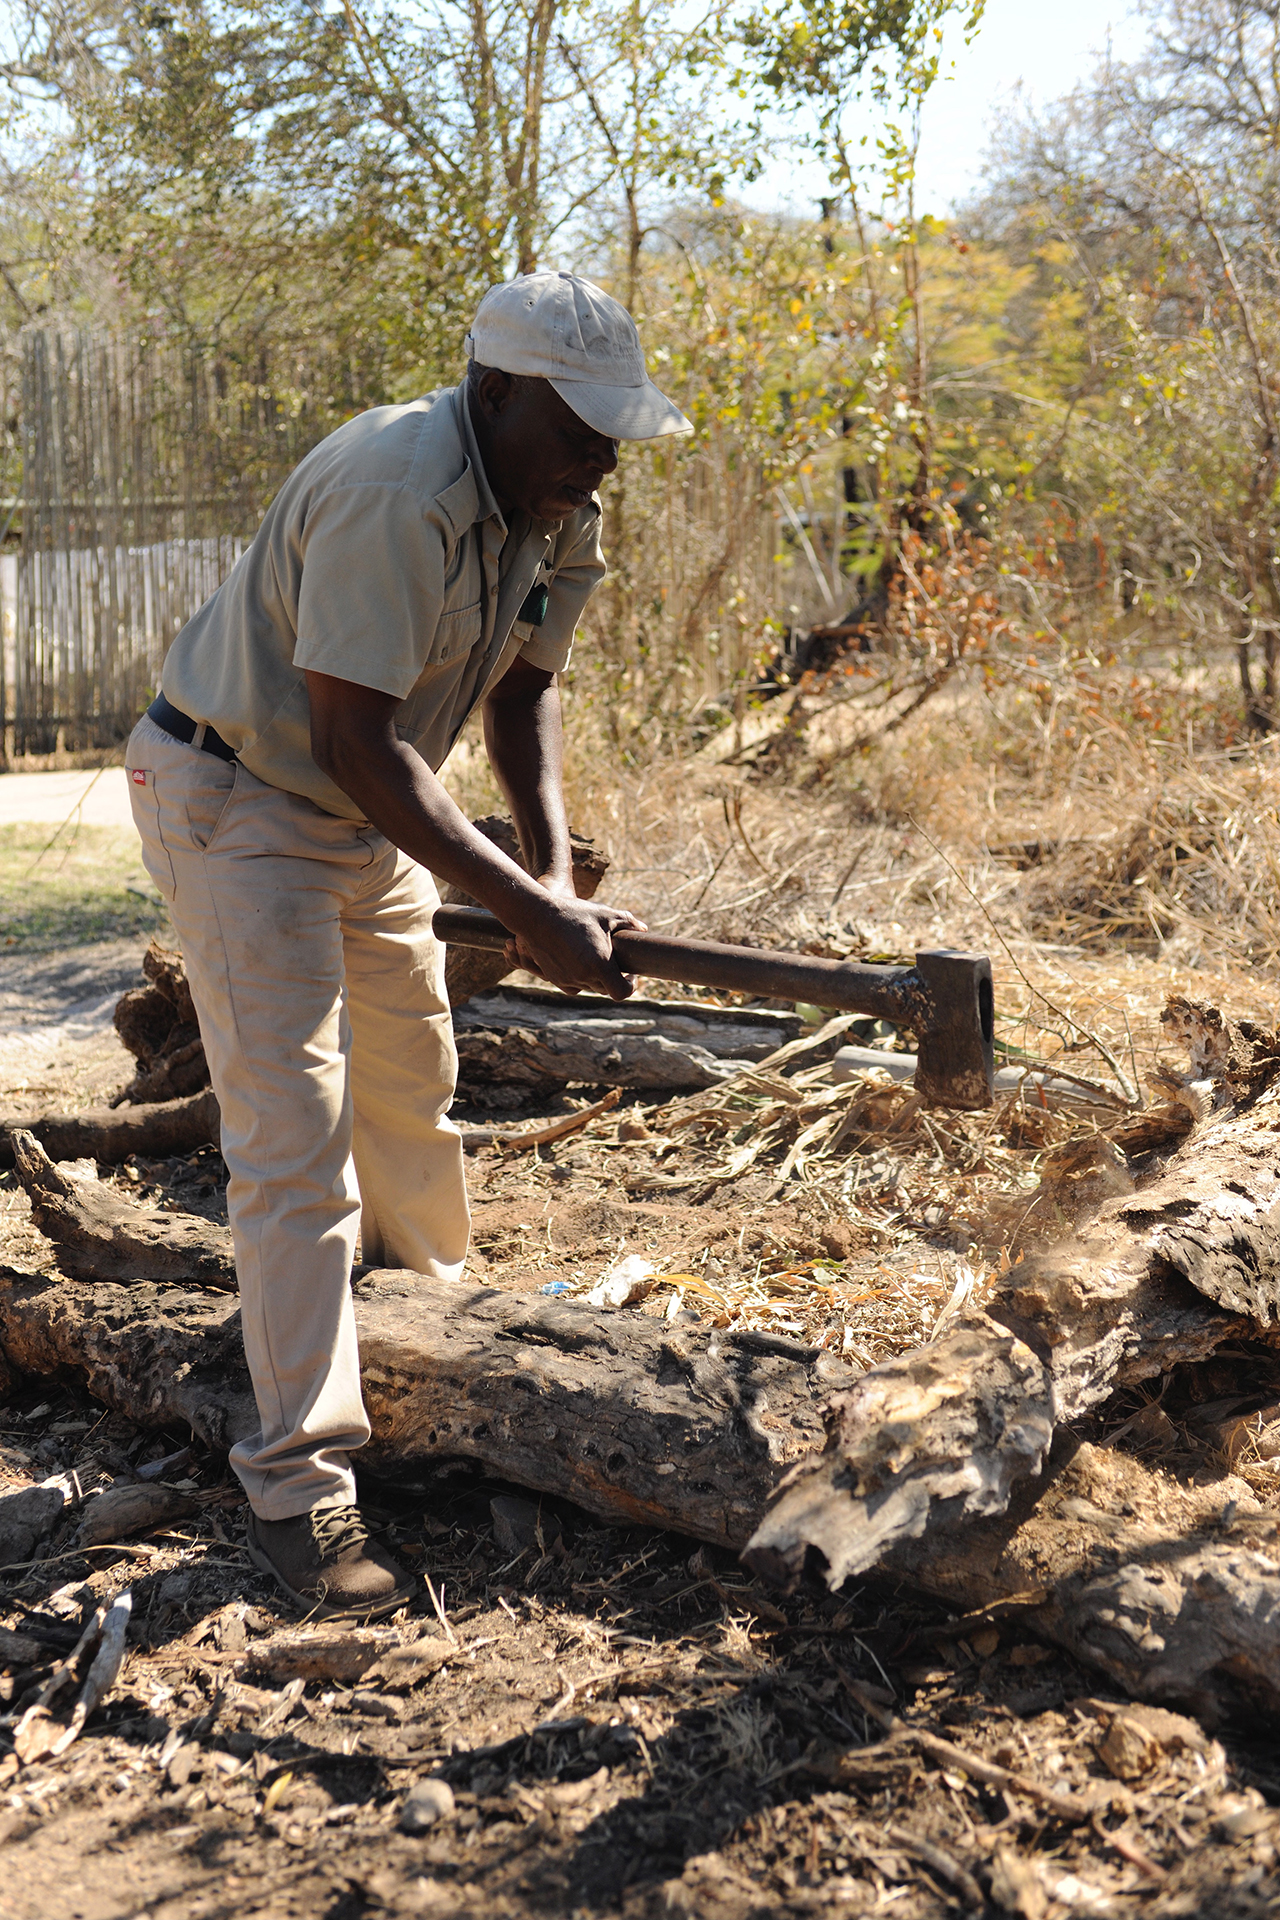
700,1762
1103,863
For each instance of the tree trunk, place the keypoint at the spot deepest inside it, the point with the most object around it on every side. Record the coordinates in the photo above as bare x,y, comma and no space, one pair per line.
1173,1591
637,1422
934,1469
113,1135
943,1434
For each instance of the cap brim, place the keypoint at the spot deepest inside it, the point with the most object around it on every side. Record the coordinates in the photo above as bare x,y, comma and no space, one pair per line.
623,413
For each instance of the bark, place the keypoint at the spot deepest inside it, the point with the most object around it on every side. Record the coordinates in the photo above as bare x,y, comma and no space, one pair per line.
634,1421
468,970
112,1136
165,1356
1172,1591
131,1507
538,1040
158,1024
100,1236
942,1435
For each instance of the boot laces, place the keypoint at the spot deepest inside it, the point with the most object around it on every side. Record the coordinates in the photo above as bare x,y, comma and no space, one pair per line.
338,1530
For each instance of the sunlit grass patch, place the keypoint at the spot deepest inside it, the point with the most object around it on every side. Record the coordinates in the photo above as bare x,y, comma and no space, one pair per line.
72,885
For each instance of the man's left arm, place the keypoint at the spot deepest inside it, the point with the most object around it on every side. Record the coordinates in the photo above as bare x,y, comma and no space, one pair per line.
522,726
524,739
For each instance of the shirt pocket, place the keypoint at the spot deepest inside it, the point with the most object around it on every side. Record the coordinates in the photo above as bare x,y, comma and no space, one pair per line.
457,631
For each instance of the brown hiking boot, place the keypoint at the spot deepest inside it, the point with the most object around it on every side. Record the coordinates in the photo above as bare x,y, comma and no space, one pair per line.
328,1565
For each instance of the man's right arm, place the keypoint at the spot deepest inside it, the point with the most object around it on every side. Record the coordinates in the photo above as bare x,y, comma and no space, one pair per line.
354,742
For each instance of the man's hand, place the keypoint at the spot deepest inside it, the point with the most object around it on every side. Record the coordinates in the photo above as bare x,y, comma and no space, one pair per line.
571,944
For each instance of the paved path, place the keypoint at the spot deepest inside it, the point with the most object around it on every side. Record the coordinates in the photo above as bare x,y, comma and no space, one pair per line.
102,798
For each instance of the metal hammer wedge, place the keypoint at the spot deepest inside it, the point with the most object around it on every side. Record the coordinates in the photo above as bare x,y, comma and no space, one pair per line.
946,999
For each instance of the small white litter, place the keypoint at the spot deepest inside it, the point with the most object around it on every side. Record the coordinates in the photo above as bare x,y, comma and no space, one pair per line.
627,1282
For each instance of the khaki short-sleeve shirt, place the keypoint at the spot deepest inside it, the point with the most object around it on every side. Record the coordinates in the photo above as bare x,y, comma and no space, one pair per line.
383,560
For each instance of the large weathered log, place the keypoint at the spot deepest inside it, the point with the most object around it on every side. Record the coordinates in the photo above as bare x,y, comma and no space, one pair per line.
467,970
541,1039
100,1236
114,1135
945,1433
1173,1591
635,1421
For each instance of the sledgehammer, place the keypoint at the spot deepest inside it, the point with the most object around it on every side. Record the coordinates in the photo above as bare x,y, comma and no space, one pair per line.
946,999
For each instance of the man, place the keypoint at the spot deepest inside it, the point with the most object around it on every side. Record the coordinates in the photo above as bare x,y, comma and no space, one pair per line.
422,561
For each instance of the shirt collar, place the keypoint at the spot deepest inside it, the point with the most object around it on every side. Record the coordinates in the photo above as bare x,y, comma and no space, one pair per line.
486,506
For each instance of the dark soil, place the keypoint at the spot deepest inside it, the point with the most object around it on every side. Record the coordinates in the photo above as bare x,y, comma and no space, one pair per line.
628,1724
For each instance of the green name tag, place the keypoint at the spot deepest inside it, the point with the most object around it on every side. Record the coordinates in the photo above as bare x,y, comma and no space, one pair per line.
534,610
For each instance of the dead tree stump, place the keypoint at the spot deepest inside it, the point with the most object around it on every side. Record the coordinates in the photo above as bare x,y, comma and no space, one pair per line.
158,1024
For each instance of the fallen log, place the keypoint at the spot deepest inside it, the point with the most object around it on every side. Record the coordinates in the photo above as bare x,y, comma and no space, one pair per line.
101,1236
944,1434
114,1135
1173,1591
633,1420
549,1040
690,1428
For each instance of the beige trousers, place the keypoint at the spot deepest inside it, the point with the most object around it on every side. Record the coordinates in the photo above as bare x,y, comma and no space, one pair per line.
320,992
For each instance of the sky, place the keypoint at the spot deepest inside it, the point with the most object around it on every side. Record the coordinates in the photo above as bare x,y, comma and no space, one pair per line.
1042,49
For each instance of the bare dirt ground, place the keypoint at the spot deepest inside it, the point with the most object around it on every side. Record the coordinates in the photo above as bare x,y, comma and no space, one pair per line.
629,1726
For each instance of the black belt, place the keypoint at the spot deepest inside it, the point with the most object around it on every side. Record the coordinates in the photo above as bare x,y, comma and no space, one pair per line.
167,716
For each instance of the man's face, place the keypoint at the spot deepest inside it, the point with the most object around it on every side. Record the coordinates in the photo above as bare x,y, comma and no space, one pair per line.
538,454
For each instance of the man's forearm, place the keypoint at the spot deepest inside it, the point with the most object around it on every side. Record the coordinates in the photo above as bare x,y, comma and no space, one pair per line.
568,941
524,741
398,793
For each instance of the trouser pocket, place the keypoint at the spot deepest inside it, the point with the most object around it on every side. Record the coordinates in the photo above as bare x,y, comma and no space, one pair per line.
179,797
206,800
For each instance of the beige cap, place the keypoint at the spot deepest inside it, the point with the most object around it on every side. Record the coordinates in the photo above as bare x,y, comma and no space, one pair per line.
558,327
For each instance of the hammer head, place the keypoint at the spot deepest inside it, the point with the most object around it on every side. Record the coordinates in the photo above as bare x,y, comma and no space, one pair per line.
955,1065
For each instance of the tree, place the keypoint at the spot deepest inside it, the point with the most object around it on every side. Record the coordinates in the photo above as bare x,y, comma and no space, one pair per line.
829,61
1158,187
